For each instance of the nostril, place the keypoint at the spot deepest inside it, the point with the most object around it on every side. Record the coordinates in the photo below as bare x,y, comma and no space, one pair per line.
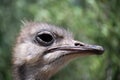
78,44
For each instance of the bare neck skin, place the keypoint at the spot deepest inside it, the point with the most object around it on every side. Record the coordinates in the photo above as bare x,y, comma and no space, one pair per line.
29,73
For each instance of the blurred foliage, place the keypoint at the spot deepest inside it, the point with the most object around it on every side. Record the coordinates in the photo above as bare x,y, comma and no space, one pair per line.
91,21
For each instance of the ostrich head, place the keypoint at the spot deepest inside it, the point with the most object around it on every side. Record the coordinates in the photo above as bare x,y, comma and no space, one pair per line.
42,49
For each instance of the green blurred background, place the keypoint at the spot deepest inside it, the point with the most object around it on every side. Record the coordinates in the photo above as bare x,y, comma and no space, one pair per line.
91,21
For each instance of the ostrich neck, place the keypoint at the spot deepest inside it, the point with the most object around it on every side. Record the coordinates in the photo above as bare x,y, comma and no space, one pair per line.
25,73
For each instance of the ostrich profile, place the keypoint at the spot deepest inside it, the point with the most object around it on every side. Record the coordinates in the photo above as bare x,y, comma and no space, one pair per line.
42,49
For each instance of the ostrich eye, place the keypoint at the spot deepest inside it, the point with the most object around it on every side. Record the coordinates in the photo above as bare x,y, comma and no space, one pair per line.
45,38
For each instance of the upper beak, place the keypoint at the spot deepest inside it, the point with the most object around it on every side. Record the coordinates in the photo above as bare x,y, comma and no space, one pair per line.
81,48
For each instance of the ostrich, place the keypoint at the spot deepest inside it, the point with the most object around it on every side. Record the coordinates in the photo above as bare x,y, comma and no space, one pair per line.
42,49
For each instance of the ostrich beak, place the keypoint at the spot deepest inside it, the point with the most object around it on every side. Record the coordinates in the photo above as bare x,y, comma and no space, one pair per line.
83,48
80,48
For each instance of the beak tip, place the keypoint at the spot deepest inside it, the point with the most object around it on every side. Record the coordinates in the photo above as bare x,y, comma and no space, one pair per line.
100,50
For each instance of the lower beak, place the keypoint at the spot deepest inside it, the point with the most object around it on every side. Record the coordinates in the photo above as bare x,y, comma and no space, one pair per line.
80,48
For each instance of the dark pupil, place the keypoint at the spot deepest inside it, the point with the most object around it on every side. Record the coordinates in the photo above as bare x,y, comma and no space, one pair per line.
45,37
